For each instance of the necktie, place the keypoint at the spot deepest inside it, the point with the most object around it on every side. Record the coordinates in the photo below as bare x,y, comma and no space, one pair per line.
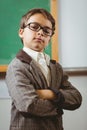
43,66
42,61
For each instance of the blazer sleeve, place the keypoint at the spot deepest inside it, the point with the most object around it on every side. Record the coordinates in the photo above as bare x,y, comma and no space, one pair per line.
72,96
23,93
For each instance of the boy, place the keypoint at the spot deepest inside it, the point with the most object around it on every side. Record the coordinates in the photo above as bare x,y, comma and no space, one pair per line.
37,85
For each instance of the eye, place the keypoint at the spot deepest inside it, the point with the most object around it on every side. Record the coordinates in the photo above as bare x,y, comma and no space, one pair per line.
34,26
47,31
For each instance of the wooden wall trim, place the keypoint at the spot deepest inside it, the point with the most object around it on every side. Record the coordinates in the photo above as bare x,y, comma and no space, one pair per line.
2,75
3,68
54,12
80,71
69,71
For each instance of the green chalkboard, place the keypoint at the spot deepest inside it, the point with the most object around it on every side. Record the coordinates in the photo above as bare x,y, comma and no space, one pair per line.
10,15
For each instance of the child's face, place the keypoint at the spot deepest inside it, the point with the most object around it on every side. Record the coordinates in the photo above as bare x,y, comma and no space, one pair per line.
36,40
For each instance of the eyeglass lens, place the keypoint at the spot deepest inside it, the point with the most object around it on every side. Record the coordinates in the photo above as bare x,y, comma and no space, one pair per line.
36,27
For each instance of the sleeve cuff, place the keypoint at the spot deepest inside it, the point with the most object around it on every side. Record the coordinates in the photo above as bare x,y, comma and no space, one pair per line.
60,98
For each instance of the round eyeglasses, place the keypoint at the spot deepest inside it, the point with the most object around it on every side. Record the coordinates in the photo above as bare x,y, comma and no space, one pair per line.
34,26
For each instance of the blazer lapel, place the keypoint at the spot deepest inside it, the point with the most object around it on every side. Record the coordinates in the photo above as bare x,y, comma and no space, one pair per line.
39,78
24,57
53,71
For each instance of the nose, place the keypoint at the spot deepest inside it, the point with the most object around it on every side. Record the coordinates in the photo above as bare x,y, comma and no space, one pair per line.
40,32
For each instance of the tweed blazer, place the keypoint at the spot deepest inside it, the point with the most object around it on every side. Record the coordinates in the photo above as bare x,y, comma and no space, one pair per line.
28,111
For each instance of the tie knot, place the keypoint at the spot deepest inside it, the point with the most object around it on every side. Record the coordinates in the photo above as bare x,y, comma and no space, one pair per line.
40,55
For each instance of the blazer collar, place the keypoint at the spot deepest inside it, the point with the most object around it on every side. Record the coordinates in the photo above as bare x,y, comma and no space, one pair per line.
24,57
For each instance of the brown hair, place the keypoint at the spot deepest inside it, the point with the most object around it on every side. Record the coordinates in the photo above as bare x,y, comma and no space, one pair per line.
31,12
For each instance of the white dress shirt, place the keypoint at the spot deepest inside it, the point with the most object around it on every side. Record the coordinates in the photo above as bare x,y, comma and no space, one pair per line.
42,59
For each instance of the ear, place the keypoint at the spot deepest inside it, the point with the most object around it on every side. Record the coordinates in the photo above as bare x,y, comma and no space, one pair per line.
21,32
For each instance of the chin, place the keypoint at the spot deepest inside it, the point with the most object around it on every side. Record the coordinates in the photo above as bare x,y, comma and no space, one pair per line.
37,48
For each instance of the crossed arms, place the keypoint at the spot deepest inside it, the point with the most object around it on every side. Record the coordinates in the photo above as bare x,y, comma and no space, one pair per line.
46,94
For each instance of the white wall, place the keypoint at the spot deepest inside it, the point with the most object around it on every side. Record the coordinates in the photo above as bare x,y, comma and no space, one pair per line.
72,21
5,106
77,120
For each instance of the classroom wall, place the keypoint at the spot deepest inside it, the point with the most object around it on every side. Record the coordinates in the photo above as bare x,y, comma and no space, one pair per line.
5,106
72,34
77,120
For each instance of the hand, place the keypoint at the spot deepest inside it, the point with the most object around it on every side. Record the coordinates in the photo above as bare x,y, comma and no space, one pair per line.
46,94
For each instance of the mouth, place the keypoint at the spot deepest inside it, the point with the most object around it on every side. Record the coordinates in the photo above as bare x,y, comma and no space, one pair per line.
38,40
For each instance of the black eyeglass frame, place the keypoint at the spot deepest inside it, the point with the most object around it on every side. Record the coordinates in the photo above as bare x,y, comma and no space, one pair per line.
39,28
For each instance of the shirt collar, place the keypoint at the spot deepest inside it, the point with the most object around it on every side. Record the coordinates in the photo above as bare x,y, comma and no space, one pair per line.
35,54
32,53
